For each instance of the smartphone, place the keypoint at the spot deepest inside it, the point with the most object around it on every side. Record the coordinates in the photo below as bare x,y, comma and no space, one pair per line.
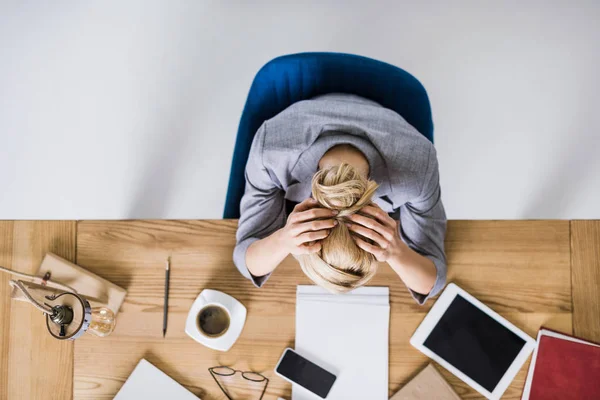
296,369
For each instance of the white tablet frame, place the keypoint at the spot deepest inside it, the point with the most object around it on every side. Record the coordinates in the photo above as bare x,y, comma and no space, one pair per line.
433,317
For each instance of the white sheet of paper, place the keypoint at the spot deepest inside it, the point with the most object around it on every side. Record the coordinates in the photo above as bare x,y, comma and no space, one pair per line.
347,335
149,383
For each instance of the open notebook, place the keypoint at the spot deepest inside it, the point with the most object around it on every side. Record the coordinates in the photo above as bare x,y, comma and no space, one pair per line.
149,383
347,335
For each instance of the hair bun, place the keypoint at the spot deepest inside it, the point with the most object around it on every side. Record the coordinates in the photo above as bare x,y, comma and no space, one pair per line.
343,189
341,265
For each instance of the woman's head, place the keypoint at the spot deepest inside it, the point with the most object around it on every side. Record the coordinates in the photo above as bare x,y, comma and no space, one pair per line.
341,265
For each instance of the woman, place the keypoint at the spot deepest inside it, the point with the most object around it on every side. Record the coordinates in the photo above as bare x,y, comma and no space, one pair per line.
350,164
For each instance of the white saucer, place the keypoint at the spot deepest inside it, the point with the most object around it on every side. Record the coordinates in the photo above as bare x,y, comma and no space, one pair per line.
237,315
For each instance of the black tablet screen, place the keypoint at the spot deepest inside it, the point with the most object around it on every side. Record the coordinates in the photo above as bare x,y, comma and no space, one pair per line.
474,343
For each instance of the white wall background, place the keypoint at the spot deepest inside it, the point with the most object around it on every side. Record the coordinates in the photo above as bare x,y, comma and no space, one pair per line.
128,109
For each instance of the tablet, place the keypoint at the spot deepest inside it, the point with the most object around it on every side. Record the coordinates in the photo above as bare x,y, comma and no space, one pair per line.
473,342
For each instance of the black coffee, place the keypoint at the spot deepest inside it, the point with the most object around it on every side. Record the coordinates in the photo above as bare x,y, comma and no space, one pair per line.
213,320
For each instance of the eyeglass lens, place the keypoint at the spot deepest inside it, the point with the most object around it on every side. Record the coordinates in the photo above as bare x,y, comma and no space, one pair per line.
223,371
253,376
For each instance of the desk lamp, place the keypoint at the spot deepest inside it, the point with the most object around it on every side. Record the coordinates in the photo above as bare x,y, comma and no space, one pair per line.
68,314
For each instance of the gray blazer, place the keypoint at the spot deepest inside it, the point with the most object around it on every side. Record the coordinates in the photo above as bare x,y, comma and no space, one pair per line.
285,154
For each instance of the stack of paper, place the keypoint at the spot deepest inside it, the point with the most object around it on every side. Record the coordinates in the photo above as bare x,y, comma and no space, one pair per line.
349,336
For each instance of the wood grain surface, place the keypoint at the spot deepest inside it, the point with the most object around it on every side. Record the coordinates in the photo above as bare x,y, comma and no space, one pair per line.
519,268
585,256
33,364
6,236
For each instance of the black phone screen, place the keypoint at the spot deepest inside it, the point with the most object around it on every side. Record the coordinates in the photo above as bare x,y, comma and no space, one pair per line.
306,374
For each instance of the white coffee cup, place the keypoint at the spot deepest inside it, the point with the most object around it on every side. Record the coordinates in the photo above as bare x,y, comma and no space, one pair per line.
220,335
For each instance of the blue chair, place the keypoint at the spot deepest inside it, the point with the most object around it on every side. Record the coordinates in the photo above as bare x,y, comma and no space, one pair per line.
295,77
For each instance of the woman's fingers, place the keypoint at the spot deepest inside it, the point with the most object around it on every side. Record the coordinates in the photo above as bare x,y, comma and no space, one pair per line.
368,233
376,212
313,213
305,205
311,226
369,248
312,248
370,223
311,236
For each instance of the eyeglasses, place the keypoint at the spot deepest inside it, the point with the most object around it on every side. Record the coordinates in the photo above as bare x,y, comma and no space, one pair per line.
247,375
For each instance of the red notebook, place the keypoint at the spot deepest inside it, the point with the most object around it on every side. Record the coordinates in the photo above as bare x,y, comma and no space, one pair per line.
563,368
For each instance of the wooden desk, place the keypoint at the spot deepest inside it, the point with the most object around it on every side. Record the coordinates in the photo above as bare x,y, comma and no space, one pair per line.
522,269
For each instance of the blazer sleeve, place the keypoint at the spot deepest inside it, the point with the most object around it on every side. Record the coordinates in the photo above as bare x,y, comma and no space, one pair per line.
423,225
262,209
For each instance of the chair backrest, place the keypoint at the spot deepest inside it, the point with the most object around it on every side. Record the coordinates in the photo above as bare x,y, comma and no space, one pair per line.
292,78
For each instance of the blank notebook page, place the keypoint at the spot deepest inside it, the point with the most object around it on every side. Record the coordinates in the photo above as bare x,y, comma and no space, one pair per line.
347,335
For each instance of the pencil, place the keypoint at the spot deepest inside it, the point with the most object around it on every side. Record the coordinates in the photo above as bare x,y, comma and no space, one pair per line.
166,309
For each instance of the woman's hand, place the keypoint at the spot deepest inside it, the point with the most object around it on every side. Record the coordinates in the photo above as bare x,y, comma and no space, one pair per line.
306,226
381,229
417,272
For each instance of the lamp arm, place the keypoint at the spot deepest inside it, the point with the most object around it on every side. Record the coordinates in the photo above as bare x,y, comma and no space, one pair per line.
42,307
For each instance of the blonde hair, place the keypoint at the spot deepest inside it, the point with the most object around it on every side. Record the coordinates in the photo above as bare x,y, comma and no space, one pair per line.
341,265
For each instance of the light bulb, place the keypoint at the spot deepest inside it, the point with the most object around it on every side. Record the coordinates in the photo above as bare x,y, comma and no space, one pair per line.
103,321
